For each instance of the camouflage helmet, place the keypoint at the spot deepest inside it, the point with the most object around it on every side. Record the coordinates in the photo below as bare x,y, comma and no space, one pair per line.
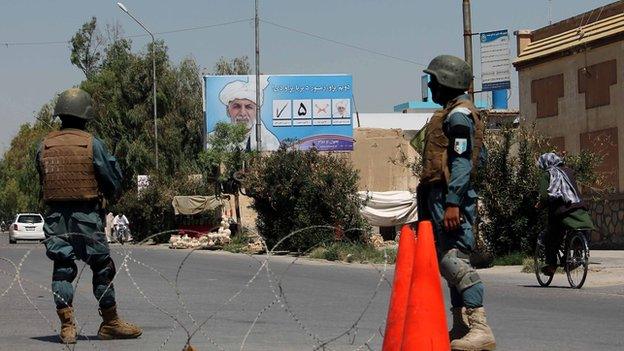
451,71
74,102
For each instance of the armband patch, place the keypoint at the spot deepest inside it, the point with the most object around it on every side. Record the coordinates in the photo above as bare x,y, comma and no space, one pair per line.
461,145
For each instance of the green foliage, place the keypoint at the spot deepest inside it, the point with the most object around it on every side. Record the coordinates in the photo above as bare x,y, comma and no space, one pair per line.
584,166
237,66
225,155
508,187
150,212
238,243
512,259
122,93
353,252
305,193
19,180
85,45
120,82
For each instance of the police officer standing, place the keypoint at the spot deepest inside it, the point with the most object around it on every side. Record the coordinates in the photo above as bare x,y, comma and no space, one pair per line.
452,151
75,170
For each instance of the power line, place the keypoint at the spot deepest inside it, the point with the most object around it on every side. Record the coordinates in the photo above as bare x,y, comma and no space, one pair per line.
59,42
316,36
344,44
198,28
33,43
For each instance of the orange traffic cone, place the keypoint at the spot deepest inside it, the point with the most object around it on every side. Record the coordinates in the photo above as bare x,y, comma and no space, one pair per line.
425,321
400,290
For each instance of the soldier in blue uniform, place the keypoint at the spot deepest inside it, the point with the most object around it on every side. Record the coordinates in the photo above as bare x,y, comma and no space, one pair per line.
76,171
453,148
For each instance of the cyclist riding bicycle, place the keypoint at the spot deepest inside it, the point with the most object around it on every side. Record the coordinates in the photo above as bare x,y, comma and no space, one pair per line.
559,193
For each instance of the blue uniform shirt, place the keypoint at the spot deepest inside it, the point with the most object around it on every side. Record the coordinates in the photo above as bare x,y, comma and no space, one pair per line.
460,152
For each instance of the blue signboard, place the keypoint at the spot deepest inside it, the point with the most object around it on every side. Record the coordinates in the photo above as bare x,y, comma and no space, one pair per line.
495,60
311,110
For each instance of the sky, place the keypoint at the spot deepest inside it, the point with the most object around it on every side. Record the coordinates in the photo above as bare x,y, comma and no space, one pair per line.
409,33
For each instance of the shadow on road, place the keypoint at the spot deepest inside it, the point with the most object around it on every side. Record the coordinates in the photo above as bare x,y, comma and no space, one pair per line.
547,287
56,340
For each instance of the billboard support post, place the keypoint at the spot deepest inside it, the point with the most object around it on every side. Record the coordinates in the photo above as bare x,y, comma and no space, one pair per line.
468,39
258,109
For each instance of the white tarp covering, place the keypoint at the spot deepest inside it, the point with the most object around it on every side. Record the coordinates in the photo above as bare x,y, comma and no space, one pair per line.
389,208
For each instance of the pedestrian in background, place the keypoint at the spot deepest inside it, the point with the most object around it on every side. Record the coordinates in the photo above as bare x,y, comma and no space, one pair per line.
109,227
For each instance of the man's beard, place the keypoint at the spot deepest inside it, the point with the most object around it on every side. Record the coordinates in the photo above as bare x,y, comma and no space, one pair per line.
248,122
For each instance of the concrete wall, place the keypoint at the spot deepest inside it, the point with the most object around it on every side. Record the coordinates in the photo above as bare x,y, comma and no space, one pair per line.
374,148
373,153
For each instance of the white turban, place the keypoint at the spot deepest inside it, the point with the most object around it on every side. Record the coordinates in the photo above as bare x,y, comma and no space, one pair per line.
239,89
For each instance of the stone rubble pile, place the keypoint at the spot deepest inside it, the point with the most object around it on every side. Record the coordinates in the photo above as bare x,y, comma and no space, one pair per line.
255,245
378,242
209,241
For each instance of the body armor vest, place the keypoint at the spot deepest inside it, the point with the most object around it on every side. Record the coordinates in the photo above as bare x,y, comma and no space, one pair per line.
435,156
67,166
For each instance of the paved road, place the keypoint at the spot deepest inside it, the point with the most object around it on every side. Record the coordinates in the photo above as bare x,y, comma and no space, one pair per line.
322,301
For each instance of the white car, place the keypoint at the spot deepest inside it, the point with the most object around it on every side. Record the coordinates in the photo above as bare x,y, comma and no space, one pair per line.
27,226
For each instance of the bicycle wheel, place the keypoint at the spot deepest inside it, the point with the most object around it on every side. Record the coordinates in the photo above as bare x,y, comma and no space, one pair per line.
577,259
540,261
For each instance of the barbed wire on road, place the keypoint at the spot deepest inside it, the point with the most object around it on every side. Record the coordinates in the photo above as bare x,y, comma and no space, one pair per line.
275,286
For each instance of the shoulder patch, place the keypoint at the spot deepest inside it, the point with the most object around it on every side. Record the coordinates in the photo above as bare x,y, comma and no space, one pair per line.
461,145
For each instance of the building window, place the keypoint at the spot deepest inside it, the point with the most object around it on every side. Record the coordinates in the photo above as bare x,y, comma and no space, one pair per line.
595,81
604,143
545,93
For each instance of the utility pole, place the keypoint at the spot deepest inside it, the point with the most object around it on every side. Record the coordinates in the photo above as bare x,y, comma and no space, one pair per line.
258,109
468,40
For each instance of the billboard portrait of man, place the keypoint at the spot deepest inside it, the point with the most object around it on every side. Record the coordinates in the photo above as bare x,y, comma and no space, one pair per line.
239,98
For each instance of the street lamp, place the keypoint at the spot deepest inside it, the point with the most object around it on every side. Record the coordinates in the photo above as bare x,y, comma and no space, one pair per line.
124,9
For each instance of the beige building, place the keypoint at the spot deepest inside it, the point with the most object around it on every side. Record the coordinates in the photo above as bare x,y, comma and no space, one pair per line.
571,81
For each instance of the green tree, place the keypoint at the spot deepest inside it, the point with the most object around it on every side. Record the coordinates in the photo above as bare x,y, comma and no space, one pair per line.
305,198
508,187
19,180
120,83
85,45
236,66
122,93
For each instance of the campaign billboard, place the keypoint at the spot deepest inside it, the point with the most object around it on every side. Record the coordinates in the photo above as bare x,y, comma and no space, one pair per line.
305,110
495,60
